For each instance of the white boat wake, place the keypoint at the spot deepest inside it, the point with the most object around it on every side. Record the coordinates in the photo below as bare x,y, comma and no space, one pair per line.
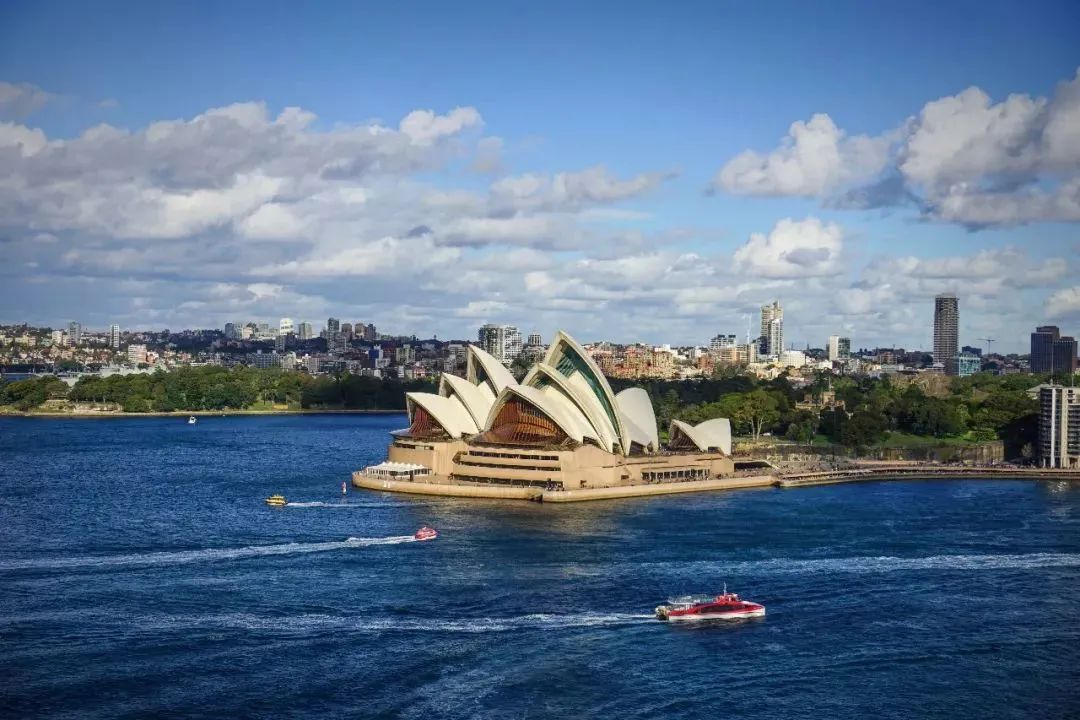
182,557
303,624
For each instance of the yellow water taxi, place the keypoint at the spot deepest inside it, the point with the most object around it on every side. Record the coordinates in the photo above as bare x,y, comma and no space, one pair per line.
276,500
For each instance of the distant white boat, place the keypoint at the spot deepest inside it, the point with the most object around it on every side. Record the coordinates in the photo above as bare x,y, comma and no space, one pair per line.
191,420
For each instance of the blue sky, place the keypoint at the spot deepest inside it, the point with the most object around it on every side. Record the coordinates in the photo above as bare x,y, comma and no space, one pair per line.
667,96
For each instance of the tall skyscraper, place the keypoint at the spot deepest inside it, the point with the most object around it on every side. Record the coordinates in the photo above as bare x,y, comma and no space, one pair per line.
503,342
285,326
74,333
839,347
370,333
335,343
772,329
306,331
1051,352
114,337
232,332
947,331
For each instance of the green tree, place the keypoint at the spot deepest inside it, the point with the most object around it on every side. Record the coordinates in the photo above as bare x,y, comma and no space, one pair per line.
759,410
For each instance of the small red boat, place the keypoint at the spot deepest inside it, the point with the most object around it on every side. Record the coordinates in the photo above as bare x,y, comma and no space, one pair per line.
726,606
426,533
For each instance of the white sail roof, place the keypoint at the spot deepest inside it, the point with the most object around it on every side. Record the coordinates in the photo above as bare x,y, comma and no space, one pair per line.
554,405
483,369
638,416
571,361
715,433
449,412
477,399
579,395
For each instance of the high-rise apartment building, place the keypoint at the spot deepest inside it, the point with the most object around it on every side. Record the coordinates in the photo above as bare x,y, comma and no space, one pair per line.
772,329
370,333
535,340
1052,352
305,331
285,326
722,341
74,333
114,337
1059,426
839,347
347,330
335,341
947,331
501,341
136,354
232,331
57,338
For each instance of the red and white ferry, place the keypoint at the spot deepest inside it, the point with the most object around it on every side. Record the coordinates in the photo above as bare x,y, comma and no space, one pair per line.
726,606
426,533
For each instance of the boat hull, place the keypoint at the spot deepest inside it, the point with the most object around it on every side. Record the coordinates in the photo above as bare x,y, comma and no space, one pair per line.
699,616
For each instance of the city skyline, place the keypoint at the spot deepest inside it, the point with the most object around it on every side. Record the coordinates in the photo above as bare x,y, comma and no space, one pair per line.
195,188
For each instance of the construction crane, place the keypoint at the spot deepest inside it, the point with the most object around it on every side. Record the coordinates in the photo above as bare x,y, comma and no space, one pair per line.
989,342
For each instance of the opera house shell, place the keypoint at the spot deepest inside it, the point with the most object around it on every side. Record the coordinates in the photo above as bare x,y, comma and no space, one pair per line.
560,428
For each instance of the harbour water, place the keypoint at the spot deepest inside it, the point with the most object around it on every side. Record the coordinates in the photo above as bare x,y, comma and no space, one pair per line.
142,575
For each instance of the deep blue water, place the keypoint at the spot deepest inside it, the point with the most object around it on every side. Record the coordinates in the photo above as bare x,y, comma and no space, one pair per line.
141,575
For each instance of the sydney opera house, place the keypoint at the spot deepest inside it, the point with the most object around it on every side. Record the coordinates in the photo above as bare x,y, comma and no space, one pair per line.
561,432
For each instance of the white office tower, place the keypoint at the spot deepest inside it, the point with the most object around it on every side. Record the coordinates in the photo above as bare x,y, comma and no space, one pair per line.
57,337
114,337
839,347
772,329
501,341
74,333
285,326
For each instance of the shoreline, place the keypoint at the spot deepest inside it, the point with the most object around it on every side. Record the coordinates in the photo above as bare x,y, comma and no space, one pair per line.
442,487
195,413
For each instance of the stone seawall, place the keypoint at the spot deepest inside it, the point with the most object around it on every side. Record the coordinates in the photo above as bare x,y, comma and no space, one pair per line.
439,486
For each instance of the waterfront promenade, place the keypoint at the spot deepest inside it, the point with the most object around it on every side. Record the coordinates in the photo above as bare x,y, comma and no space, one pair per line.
860,472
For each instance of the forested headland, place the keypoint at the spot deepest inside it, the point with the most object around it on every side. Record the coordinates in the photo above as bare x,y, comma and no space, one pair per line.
874,412
213,389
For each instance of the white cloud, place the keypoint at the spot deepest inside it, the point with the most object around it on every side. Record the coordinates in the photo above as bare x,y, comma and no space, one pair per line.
1064,303
425,127
26,141
814,159
794,248
272,221
569,190
488,158
400,256
528,230
22,99
962,159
